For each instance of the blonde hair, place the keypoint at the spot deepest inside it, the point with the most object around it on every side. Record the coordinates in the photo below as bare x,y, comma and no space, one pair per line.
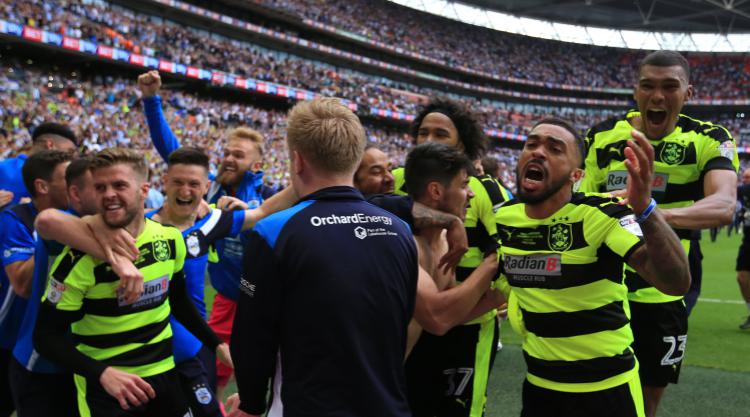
327,133
252,135
113,156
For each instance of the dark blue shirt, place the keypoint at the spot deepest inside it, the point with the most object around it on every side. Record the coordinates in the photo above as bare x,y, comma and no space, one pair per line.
329,284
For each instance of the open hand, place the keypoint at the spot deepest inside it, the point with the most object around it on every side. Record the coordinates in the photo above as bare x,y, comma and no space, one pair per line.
640,164
128,389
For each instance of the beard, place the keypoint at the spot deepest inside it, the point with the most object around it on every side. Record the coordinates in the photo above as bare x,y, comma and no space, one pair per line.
126,219
543,194
229,178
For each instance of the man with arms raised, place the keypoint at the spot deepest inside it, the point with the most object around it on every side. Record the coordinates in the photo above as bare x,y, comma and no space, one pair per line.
122,357
239,176
563,254
695,183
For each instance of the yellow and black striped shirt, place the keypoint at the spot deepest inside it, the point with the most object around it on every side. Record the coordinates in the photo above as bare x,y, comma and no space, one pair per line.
681,160
565,274
136,337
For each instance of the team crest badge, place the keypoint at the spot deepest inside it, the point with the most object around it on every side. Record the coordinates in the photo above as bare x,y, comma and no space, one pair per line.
203,395
560,237
193,246
161,250
672,153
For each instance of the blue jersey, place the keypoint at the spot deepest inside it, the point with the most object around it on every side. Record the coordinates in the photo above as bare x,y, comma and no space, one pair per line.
11,178
225,274
17,242
24,351
329,286
206,231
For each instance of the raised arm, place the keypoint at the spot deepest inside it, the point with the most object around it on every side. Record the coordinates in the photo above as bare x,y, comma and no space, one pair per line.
661,260
715,209
278,202
162,137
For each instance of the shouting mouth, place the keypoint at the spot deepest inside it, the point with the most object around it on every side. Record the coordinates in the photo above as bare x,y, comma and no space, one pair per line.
656,117
533,176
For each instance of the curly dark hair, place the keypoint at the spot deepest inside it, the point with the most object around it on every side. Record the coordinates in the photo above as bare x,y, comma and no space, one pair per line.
470,131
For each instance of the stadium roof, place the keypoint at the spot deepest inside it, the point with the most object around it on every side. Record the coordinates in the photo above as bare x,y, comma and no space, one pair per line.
685,25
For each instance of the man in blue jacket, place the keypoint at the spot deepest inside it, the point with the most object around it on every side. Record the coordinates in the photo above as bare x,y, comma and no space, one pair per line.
328,286
239,176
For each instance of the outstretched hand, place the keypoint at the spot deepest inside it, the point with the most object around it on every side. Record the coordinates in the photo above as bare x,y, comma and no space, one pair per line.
640,164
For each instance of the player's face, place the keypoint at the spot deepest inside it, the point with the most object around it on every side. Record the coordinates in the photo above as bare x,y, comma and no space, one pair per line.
120,194
746,176
437,127
457,195
374,173
240,155
547,163
185,186
85,195
660,93
57,191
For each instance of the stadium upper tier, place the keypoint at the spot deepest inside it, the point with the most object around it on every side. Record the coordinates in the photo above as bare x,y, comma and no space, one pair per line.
98,22
507,56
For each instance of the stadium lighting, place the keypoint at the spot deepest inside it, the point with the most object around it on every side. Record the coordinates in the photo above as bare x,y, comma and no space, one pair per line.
587,35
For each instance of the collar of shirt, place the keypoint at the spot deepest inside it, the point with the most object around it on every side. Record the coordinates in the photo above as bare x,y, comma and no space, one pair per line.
335,193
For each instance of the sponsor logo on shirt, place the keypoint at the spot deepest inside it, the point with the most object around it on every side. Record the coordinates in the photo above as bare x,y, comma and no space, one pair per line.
362,233
152,293
55,291
628,223
247,288
357,218
617,180
727,150
533,267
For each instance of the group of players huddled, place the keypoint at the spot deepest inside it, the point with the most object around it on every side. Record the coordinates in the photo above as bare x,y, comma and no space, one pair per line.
360,290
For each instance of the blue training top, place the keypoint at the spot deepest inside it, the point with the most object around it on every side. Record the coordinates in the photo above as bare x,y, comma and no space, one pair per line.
214,226
225,274
44,255
17,242
329,285
12,178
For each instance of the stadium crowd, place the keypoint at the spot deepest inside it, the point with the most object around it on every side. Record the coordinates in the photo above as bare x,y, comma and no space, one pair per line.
508,55
98,21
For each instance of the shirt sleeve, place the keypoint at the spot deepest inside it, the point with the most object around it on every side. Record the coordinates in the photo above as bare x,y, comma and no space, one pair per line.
220,224
717,150
162,137
68,282
255,334
180,250
622,233
399,205
17,243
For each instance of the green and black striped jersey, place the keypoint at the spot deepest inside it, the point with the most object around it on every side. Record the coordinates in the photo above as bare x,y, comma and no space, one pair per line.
136,337
481,228
565,274
682,158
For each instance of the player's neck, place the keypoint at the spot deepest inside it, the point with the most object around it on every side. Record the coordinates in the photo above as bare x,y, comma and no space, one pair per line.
550,206
136,227
431,236
167,216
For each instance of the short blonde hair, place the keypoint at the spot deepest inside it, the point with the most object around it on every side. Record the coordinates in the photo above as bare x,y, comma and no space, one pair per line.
248,134
114,156
327,133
